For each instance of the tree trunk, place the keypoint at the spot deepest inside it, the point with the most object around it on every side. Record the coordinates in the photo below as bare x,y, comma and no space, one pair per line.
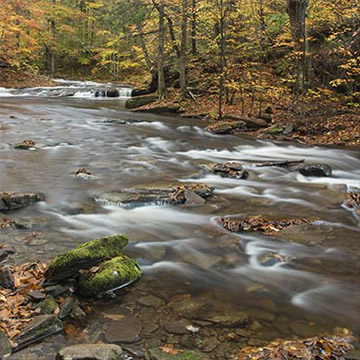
52,51
172,35
183,56
161,75
193,29
148,61
297,14
222,30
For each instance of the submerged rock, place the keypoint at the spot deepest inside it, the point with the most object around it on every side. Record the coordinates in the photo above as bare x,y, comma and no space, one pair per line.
125,330
231,319
170,353
85,256
39,328
318,170
110,275
178,327
14,201
151,301
90,352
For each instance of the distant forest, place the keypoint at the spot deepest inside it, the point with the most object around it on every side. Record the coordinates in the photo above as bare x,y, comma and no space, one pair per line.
237,48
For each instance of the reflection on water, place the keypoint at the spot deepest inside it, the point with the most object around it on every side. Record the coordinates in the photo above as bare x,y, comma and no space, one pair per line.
178,245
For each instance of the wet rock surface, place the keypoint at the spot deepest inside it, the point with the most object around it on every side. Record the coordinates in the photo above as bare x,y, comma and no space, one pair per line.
125,330
26,145
318,170
14,201
90,352
39,328
225,127
231,170
182,194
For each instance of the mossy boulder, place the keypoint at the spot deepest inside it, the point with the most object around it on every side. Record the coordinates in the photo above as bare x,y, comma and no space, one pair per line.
109,276
85,256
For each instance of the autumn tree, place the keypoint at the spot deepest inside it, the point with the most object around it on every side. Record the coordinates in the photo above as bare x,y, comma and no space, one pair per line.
297,14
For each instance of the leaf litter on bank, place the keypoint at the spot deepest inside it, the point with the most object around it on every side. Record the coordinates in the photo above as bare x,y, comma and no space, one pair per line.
327,347
16,309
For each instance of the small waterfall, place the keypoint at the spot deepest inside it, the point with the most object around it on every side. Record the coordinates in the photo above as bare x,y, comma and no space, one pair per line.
76,89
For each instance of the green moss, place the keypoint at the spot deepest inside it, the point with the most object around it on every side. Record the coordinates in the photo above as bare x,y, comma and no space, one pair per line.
48,306
111,274
85,256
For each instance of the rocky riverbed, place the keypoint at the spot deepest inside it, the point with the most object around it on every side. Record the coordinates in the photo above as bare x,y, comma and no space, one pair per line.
240,242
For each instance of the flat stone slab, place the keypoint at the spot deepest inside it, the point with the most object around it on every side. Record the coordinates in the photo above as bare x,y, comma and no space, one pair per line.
126,330
39,328
90,352
151,301
178,327
231,319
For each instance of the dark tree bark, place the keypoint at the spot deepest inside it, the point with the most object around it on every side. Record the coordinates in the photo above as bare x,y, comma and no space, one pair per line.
172,35
148,61
297,14
52,51
183,53
193,28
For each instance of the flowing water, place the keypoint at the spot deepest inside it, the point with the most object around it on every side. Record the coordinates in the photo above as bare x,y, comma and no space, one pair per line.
184,247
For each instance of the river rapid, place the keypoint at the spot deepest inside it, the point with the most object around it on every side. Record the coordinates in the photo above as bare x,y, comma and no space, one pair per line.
183,250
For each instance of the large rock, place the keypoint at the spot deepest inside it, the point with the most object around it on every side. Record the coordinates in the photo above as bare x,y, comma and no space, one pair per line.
319,170
13,201
110,275
6,278
139,101
136,197
39,328
85,256
90,352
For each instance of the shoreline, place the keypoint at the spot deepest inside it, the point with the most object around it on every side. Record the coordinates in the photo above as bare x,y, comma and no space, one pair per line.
338,127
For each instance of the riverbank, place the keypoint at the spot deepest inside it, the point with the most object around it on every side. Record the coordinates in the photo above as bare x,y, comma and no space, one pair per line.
317,118
311,121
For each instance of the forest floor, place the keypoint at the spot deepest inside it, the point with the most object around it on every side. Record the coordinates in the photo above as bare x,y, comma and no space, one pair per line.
14,79
320,121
